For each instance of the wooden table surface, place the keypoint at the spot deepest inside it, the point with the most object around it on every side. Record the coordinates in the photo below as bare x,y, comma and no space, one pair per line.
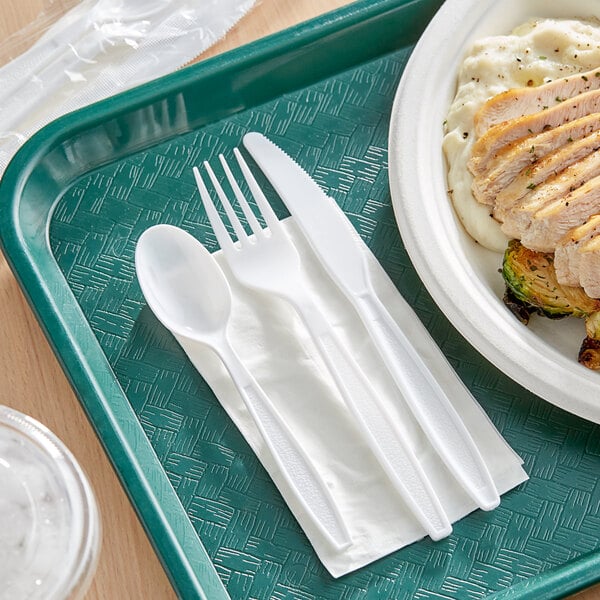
32,381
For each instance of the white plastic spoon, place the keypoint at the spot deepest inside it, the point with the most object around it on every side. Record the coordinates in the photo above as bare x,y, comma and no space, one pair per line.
187,291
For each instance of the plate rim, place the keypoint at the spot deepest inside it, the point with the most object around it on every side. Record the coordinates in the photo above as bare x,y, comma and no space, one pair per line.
505,340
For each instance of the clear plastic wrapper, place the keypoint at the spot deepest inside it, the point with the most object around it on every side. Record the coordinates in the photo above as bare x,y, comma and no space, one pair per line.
92,49
34,18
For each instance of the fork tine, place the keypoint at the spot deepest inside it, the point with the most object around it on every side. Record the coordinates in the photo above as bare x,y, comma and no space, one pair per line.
250,218
263,204
221,233
233,218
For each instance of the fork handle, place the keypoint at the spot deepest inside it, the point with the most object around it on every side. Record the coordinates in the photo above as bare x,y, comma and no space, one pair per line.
428,402
387,443
296,467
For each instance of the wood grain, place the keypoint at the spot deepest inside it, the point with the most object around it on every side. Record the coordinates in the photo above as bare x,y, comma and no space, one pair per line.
33,382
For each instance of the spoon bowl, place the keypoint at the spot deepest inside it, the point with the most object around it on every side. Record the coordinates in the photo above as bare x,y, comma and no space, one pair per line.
182,283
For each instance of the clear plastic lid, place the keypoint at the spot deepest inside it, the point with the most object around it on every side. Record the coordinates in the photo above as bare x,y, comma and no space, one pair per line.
49,522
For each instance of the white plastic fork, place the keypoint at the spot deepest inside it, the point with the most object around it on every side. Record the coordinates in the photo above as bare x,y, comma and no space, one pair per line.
270,262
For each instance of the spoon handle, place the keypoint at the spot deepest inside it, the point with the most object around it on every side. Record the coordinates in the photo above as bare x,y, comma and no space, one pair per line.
295,465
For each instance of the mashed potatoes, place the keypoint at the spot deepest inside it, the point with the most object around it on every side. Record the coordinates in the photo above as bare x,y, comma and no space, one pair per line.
534,53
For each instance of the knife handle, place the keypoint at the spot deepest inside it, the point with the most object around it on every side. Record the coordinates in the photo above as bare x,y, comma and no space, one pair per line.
429,403
295,465
386,441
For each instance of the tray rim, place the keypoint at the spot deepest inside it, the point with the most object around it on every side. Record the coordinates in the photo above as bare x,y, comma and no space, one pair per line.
99,383
552,584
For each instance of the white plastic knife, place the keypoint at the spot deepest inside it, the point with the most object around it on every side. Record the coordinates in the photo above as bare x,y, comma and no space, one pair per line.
336,244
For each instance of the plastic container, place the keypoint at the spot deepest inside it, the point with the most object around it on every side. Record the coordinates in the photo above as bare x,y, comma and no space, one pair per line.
50,528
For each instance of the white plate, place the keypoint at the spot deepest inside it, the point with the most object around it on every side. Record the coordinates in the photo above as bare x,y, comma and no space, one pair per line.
461,276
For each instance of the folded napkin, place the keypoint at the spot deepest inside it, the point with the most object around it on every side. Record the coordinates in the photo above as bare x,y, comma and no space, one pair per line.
274,345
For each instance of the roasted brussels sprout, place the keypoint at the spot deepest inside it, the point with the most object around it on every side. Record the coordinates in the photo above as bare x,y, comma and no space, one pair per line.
532,288
589,353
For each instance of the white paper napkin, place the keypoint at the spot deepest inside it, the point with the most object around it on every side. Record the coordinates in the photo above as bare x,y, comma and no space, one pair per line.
274,345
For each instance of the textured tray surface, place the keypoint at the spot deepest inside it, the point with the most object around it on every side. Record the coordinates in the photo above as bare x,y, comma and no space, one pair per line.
337,129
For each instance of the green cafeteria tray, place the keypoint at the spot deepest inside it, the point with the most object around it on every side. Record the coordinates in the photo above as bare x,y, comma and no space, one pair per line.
77,197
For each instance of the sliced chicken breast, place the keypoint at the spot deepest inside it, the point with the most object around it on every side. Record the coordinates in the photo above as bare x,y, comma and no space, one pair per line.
505,165
491,142
516,220
589,267
523,101
550,223
567,255
516,217
501,191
